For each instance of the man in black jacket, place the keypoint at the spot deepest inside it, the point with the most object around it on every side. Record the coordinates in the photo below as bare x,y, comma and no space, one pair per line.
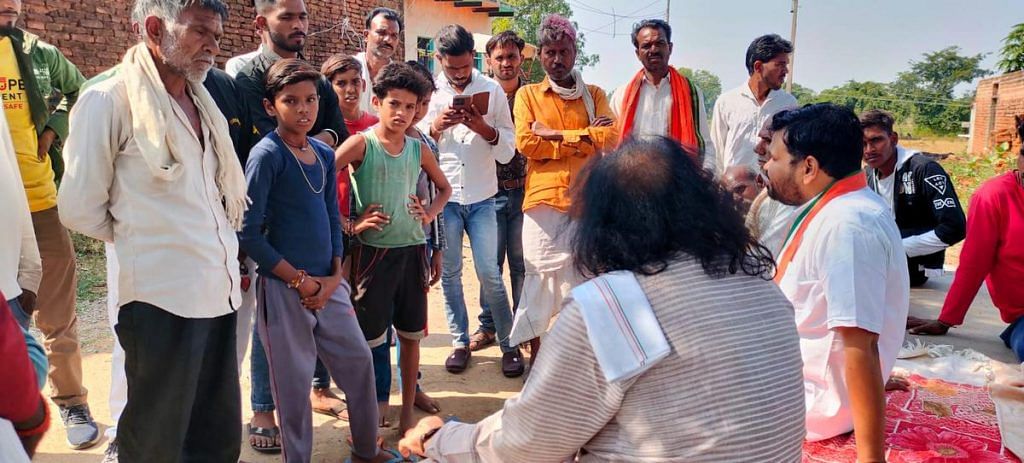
920,193
286,22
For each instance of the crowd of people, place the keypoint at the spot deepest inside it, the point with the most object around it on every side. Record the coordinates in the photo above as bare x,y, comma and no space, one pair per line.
706,290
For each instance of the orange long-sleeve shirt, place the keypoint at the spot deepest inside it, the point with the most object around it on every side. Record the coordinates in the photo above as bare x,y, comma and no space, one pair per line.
552,166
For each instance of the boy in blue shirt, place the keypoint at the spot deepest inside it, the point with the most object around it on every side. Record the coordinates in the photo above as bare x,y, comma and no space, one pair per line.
293,233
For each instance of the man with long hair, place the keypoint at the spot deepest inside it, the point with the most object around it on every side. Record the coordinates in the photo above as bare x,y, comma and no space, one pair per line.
616,379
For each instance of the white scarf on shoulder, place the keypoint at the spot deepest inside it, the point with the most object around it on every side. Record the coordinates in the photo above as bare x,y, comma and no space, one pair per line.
622,328
150,105
577,92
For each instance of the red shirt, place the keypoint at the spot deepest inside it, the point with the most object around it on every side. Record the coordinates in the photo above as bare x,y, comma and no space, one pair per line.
993,252
364,122
19,400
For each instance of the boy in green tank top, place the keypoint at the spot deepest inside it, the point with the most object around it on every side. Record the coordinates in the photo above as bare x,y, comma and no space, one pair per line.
388,272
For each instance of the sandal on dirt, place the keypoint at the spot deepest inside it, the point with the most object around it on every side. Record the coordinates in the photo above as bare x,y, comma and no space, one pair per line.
338,412
269,433
480,340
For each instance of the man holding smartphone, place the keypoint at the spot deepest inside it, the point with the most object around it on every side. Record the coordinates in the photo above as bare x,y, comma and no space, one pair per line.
472,132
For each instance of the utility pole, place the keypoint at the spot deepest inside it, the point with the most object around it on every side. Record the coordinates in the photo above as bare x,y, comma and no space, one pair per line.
668,8
792,56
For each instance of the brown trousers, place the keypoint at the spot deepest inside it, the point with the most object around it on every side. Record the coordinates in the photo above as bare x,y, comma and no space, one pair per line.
55,312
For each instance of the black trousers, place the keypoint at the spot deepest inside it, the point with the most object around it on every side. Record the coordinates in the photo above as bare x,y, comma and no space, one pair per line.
184,400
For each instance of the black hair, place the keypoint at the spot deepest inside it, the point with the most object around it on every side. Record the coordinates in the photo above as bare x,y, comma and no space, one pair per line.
389,14
425,73
454,40
877,118
285,72
399,76
505,38
648,203
766,47
653,23
829,132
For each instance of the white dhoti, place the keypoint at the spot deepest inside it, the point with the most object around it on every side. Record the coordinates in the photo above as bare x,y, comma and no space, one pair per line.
550,273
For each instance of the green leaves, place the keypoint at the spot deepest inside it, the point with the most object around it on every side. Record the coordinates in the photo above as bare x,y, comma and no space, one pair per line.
1011,57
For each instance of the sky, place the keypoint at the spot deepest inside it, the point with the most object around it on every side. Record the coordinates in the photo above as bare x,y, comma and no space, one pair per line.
836,41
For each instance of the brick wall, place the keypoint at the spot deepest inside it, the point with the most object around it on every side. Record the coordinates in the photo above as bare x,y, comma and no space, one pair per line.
996,102
94,34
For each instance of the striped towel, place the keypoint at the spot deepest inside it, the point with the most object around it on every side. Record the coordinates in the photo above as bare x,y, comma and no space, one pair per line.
624,333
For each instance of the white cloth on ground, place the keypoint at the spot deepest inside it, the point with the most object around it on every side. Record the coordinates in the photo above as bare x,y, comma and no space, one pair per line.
11,450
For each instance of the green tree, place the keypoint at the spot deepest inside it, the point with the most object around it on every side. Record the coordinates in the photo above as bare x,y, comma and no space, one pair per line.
1011,57
803,94
708,83
928,89
526,21
862,96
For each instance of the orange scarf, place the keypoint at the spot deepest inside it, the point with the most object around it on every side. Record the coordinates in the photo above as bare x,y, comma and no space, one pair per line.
852,182
683,124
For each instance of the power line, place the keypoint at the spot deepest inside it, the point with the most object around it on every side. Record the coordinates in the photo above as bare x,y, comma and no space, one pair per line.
895,100
633,14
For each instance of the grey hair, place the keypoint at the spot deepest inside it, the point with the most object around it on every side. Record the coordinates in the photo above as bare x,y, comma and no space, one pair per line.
170,10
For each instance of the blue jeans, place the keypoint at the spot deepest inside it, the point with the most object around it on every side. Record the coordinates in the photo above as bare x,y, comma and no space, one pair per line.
23,319
1013,336
479,222
382,368
508,208
260,397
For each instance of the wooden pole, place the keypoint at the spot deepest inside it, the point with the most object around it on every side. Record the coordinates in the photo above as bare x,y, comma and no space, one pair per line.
792,56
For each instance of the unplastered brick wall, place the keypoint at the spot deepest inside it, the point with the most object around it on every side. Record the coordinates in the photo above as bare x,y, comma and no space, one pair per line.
94,34
996,102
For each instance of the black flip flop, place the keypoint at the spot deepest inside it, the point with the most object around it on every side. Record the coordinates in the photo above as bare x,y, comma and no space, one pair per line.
270,433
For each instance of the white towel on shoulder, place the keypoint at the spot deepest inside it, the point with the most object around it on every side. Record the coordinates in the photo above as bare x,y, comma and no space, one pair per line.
623,330
150,105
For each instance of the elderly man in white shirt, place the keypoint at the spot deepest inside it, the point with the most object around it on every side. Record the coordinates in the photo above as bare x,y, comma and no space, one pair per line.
471,135
21,269
739,113
844,269
383,29
658,100
151,168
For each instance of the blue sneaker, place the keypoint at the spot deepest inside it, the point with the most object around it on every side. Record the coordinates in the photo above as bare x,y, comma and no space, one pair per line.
81,429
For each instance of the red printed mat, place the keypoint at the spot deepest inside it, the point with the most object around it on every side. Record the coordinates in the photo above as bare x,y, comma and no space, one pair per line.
936,422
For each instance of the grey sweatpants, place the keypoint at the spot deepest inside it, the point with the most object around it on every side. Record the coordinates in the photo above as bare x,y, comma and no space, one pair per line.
292,337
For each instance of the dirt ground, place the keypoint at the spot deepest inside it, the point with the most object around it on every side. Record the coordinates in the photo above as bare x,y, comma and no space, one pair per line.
470,396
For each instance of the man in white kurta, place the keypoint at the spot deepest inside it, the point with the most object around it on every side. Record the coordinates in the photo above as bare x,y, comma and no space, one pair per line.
739,113
843,268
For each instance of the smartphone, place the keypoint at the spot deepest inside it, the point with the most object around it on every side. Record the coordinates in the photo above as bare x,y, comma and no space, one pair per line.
462,101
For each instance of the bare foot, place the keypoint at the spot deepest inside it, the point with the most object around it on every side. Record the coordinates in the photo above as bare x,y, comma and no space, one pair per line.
264,420
897,383
326,402
382,411
425,403
406,422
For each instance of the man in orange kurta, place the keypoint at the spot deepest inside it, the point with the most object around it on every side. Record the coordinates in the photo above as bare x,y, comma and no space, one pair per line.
560,123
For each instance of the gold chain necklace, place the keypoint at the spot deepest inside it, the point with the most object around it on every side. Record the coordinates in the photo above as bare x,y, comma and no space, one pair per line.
323,170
